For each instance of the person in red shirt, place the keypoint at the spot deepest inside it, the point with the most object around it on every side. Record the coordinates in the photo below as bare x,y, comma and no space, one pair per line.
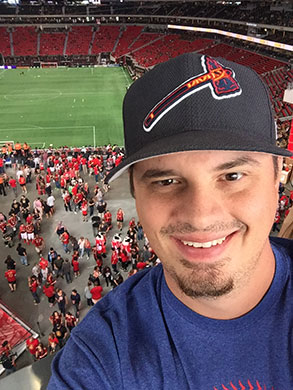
10,275
70,320
31,344
48,290
96,292
141,265
66,199
77,202
120,218
29,218
84,164
50,278
12,221
41,352
118,160
43,263
84,208
55,318
39,244
114,260
33,286
75,265
30,232
22,183
108,220
23,233
65,241
13,185
98,257
53,343
132,222
124,259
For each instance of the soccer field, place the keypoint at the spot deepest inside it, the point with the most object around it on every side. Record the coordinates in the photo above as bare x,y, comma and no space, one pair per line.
64,106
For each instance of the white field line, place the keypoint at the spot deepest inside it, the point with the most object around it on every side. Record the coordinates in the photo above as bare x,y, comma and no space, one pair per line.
2,73
94,135
54,95
45,128
127,80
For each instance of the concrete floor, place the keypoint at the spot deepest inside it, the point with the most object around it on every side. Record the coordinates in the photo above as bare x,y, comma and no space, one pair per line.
21,301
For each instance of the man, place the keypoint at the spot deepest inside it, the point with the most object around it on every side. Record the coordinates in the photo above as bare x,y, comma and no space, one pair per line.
58,263
65,241
22,254
31,344
51,203
13,184
10,275
52,256
2,186
61,333
66,270
217,312
39,244
8,362
75,300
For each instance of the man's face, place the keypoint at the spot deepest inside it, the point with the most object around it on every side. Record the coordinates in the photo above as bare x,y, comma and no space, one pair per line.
207,216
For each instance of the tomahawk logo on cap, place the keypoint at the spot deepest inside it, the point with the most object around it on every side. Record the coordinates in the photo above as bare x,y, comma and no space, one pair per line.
220,79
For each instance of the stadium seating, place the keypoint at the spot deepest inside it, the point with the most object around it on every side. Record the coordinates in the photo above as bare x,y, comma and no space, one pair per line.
277,82
4,42
259,63
145,39
52,43
79,39
129,35
168,47
25,41
105,39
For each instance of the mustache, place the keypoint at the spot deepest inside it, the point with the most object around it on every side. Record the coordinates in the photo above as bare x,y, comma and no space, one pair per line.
186,227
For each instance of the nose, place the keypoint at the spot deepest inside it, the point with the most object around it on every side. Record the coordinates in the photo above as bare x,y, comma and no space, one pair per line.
203,207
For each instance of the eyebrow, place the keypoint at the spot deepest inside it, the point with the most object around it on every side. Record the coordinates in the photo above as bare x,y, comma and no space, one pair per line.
245,160
157,173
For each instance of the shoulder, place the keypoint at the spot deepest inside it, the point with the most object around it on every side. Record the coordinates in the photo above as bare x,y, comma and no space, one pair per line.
129,299
127,314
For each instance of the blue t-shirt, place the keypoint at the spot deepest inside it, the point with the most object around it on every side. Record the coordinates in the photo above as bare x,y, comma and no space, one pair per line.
140,336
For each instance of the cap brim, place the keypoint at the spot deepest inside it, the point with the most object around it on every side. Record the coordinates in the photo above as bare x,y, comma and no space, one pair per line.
198,141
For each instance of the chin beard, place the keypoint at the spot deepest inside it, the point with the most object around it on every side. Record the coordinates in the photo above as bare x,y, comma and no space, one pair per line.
202,280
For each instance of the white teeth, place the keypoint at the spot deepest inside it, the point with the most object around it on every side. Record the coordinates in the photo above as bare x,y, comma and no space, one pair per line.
205,244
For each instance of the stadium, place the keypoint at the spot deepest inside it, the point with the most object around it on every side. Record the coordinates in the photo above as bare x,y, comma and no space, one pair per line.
65,67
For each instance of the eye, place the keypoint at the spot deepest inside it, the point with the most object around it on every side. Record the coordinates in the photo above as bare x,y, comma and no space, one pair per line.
166,182
233,176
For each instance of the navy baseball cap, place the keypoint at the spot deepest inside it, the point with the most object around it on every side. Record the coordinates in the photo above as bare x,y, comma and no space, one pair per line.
196,102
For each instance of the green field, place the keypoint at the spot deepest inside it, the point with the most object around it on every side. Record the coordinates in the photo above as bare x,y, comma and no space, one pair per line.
64,106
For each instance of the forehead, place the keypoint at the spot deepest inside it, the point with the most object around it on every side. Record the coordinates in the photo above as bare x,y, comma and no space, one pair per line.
203,159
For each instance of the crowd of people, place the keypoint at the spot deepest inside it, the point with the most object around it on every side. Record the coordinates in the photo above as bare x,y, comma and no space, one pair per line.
116,255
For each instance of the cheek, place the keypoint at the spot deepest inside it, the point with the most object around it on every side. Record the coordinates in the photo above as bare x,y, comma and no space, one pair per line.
255,206
152,215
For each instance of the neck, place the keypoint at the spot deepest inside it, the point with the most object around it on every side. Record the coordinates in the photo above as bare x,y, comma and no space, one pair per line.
248,292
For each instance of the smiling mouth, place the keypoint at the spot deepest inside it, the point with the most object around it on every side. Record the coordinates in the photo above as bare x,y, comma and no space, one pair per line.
207,244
